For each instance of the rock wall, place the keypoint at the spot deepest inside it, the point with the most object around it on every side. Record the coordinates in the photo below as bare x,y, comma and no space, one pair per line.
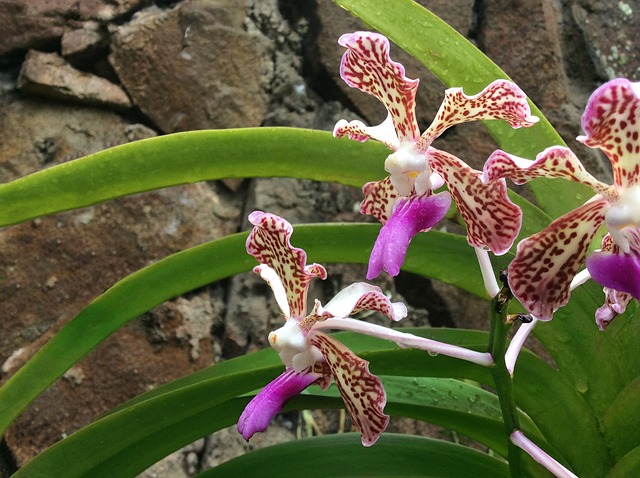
80,76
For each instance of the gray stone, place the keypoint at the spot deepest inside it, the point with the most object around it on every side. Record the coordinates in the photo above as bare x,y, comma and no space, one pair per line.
47,74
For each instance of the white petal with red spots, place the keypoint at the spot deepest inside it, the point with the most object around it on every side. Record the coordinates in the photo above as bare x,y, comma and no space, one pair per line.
501,100
540,275
366,65
611,122
361,391
493,221
553,162
269,242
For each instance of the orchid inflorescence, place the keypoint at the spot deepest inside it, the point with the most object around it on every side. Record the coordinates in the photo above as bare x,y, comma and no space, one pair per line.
547,264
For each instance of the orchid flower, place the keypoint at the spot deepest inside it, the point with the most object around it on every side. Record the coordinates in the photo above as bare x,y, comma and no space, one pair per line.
546,263
405,202
312,356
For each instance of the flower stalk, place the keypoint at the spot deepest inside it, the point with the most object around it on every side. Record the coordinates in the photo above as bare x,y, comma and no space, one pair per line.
500,325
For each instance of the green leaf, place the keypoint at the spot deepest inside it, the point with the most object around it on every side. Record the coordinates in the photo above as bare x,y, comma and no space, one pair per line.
344,456
453,404
191,157
202,155
144,430
458,63
149,427
193,268
629,465
622,420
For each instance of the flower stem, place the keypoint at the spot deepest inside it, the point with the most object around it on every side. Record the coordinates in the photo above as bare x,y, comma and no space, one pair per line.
500,326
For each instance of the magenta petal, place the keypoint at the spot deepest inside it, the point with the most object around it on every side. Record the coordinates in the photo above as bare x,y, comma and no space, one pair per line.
412,215
616,271
266,404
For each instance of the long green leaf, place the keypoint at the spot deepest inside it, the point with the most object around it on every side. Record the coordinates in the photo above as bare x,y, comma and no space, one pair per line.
193,268
457,62
344,456
175,414
431,255
190,157
202,155
152,426
622,420
456,405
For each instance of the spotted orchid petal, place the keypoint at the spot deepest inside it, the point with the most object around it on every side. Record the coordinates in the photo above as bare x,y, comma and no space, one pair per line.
269,242
366,65
610,122
492,220
361,296
501,99
411,215
379,198
540,276
553,162
361,391
270,400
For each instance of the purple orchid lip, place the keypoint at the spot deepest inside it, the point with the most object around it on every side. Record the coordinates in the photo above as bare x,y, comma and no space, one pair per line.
411,216
616,271
265,405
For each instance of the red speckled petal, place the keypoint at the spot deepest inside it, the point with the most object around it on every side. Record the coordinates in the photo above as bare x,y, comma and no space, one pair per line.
269,242
366,65
553,162
361,296
611,122
546,263
379,197
502,99
362,392
492,220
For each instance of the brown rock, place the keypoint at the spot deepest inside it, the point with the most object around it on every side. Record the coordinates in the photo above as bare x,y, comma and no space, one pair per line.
83,43
107,10
54,266
47,74
39,24
610,30
192,67
26,25
533,58
537,24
